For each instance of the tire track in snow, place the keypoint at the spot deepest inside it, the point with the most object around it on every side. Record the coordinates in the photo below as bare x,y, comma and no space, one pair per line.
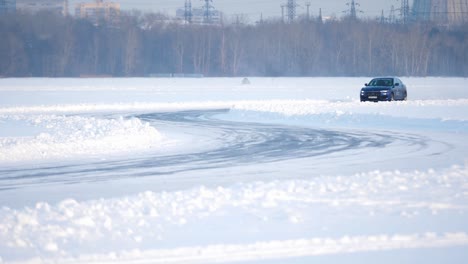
235,144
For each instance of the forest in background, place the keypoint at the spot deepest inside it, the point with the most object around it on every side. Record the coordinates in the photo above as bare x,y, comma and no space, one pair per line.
50,45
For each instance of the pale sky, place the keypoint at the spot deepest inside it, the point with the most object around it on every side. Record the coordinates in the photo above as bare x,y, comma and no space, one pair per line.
269,8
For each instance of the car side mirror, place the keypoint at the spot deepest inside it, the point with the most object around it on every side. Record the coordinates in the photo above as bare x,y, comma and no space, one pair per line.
397,84
366,84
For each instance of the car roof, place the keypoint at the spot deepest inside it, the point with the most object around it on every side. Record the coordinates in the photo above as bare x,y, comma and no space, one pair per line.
386,77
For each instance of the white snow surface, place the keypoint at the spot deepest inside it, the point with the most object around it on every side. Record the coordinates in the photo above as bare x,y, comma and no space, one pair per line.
63,137
285,170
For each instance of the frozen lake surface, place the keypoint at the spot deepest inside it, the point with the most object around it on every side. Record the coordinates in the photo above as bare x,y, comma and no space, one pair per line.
292,170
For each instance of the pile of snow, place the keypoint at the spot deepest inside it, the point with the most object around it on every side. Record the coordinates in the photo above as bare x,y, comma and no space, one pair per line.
275,219
62,137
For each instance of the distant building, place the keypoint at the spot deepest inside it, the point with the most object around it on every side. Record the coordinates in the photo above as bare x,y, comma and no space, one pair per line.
7,6
34,6
446,12
198,16
98,11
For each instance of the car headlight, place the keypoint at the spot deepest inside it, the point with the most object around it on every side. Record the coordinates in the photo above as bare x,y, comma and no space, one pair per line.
363,93
384,92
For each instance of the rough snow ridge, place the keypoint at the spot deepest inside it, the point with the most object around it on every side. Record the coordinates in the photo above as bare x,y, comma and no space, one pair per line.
269,250
109,229
75,136
443,109
119,107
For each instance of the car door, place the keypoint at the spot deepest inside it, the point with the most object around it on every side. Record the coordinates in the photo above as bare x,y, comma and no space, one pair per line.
397,89
403,90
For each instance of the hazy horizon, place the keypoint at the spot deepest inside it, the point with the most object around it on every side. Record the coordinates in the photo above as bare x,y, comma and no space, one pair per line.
268,8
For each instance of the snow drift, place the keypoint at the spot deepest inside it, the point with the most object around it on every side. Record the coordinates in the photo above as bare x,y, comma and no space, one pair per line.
64,137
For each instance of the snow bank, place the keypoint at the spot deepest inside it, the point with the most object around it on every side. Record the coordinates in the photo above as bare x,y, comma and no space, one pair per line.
120,108
203,224
441,109
270,250
62,137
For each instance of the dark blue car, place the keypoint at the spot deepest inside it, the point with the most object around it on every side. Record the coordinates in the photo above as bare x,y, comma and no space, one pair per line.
384,89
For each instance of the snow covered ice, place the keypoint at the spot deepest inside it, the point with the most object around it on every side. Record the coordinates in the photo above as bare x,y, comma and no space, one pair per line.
284,170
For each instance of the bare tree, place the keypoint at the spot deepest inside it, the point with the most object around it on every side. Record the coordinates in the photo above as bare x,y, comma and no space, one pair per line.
45,44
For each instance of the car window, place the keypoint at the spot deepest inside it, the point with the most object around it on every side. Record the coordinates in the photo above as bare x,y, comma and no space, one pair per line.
381,82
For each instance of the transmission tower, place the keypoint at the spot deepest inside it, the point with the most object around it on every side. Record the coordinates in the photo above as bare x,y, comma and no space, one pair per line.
308,10
382,17
352,9
207,13
261,19
405,11
291,9
391,17
188,12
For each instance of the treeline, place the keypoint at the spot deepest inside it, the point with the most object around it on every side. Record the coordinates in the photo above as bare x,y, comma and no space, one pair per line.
50,45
